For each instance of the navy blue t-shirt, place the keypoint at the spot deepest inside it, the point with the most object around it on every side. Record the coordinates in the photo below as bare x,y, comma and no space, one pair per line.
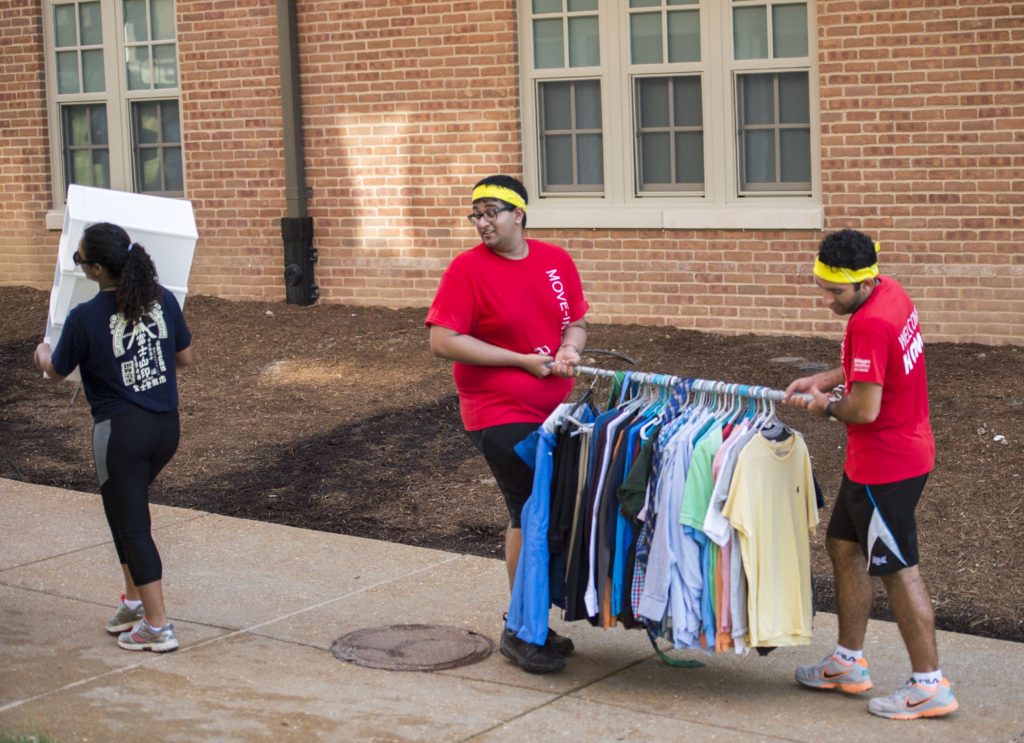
120,365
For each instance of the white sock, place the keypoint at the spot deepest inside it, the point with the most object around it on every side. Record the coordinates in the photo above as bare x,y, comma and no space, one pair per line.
848,656
133,605
930,678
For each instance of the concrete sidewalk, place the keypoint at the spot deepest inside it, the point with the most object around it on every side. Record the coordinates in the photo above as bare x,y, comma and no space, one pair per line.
256,607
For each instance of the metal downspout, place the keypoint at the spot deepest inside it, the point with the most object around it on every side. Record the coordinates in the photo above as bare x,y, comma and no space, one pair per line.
296,225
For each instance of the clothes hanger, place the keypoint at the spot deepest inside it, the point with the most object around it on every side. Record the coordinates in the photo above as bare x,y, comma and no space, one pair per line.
774,429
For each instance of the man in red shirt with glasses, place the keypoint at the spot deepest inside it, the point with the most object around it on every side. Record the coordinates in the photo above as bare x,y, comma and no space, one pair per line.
509,313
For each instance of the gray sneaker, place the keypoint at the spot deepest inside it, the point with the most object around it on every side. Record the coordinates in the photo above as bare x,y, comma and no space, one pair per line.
124,618
144,637
916,700
832,673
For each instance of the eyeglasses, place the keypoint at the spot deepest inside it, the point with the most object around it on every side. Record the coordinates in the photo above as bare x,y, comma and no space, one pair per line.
79,260
490,213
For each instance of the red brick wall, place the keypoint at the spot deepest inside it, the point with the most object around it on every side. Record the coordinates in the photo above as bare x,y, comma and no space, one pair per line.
928,162
232,128
406,106
27,251
931,158
713,280
402,118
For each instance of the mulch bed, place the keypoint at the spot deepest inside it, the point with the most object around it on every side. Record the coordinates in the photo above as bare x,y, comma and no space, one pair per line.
338,418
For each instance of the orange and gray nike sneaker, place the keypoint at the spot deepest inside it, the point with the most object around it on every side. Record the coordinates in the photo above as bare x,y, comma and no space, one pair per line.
832,673
916,700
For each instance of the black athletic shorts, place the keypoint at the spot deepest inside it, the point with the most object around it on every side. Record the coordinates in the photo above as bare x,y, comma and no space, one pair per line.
881,519
514,476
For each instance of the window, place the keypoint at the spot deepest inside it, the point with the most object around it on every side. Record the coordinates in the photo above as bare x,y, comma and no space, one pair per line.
664,113
112,75
571,135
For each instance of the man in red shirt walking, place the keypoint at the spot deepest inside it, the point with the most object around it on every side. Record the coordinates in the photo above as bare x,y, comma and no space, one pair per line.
503,312
880,391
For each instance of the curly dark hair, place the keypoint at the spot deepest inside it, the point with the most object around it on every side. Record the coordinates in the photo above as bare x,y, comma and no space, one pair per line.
507,181
847,249
128,263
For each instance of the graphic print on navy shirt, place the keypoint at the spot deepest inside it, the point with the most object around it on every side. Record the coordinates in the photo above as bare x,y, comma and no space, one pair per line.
145,366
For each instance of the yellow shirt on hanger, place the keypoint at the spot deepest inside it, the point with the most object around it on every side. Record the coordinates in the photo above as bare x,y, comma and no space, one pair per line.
771,505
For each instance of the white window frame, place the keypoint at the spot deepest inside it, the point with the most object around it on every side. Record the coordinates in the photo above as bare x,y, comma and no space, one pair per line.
719,205
116,96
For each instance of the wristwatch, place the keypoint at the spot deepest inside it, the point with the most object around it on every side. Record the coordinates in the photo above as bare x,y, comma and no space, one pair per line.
828,411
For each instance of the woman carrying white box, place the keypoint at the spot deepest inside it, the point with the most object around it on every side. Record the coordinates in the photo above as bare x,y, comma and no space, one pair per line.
127,342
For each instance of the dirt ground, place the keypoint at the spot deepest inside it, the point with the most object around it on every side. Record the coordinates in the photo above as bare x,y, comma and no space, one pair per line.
338,418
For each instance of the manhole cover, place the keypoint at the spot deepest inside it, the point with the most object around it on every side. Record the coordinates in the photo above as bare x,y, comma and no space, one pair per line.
412,647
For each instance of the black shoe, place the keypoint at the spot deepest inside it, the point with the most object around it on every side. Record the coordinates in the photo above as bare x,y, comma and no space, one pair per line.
558,644
531,658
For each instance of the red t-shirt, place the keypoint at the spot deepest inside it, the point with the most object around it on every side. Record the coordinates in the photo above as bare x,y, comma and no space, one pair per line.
883,345
521,305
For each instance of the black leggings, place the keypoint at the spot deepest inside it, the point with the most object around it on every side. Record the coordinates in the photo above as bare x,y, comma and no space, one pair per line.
129,450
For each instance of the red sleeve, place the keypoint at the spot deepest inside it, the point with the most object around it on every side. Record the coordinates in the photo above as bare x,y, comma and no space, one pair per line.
453,305
869,352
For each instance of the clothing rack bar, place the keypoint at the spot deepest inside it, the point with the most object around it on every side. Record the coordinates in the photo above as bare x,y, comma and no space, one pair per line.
709,385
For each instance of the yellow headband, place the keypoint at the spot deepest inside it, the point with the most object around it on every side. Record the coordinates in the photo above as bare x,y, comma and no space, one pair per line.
499,192
846,275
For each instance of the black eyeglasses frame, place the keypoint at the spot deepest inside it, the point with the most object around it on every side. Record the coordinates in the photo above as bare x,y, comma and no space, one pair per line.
475,217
